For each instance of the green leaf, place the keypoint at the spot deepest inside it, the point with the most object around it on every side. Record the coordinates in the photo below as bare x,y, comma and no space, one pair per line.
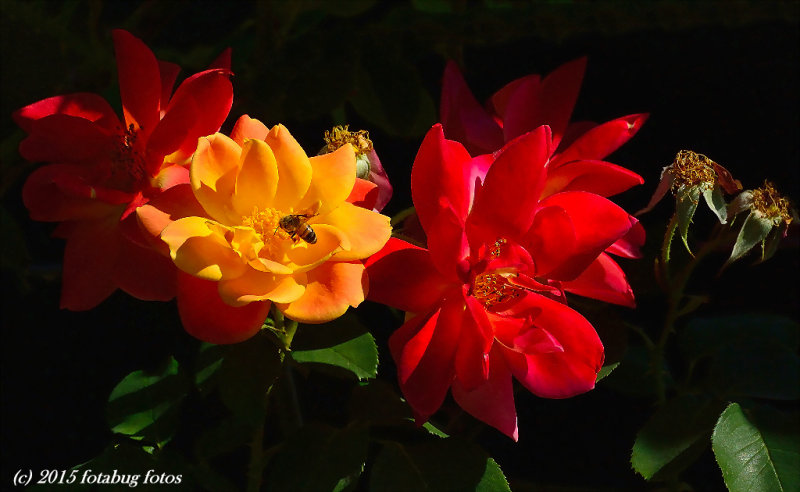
208,362
685,207
438,464
248,371
673,437
757,449
319,457
144,405
716,202
750,354
378,403
754,230
605,371
343,343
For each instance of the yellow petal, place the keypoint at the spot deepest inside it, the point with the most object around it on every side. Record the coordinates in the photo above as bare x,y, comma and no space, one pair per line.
260,286
294,168
198,246
213,176
257,179
332,180
247,127
367,231
330,290
304,256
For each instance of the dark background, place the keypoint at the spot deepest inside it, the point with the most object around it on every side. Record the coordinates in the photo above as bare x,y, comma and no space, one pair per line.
719,78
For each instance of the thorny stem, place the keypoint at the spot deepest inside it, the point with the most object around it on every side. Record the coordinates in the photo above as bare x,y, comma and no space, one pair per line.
255,467
675,295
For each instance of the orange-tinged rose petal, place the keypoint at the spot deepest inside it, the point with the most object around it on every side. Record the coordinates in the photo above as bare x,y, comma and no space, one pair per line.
367,231
331,288
333,178
305,256
257,180
266,265
247,127
213,176
294,168
198,247
259,286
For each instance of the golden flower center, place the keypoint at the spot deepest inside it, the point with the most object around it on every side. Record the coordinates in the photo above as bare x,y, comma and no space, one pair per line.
690,169
769,203
127,164
491,289
266,223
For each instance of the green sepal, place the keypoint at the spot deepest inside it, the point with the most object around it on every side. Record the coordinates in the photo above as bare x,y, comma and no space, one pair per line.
757,449
716,202
144,405
685,207
605,371
770,245
754,230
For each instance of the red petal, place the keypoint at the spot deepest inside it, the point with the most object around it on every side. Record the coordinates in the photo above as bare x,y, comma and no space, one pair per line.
205,316
403,276
557,374
630,245
425,383
378,176
499,210
173,130
144,274
441,188
89,259
601,140
551,239
168,72
48,199
213,93
603,280
474,344
364,194
139,81
493,401
597,224
63,138
463,118
222,61
602,178
499,99
549,103
81,105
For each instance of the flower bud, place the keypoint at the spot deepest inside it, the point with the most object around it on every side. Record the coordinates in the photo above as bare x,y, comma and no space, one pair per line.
767,223
368,166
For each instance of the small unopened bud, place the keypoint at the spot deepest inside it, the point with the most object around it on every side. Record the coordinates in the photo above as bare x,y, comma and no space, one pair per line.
368,166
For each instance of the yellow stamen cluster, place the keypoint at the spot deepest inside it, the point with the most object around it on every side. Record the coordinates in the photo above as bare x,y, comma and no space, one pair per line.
491,289
127,164
265,223
770,204
690,169
340,135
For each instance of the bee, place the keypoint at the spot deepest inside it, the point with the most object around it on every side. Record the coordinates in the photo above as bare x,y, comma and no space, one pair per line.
295,225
